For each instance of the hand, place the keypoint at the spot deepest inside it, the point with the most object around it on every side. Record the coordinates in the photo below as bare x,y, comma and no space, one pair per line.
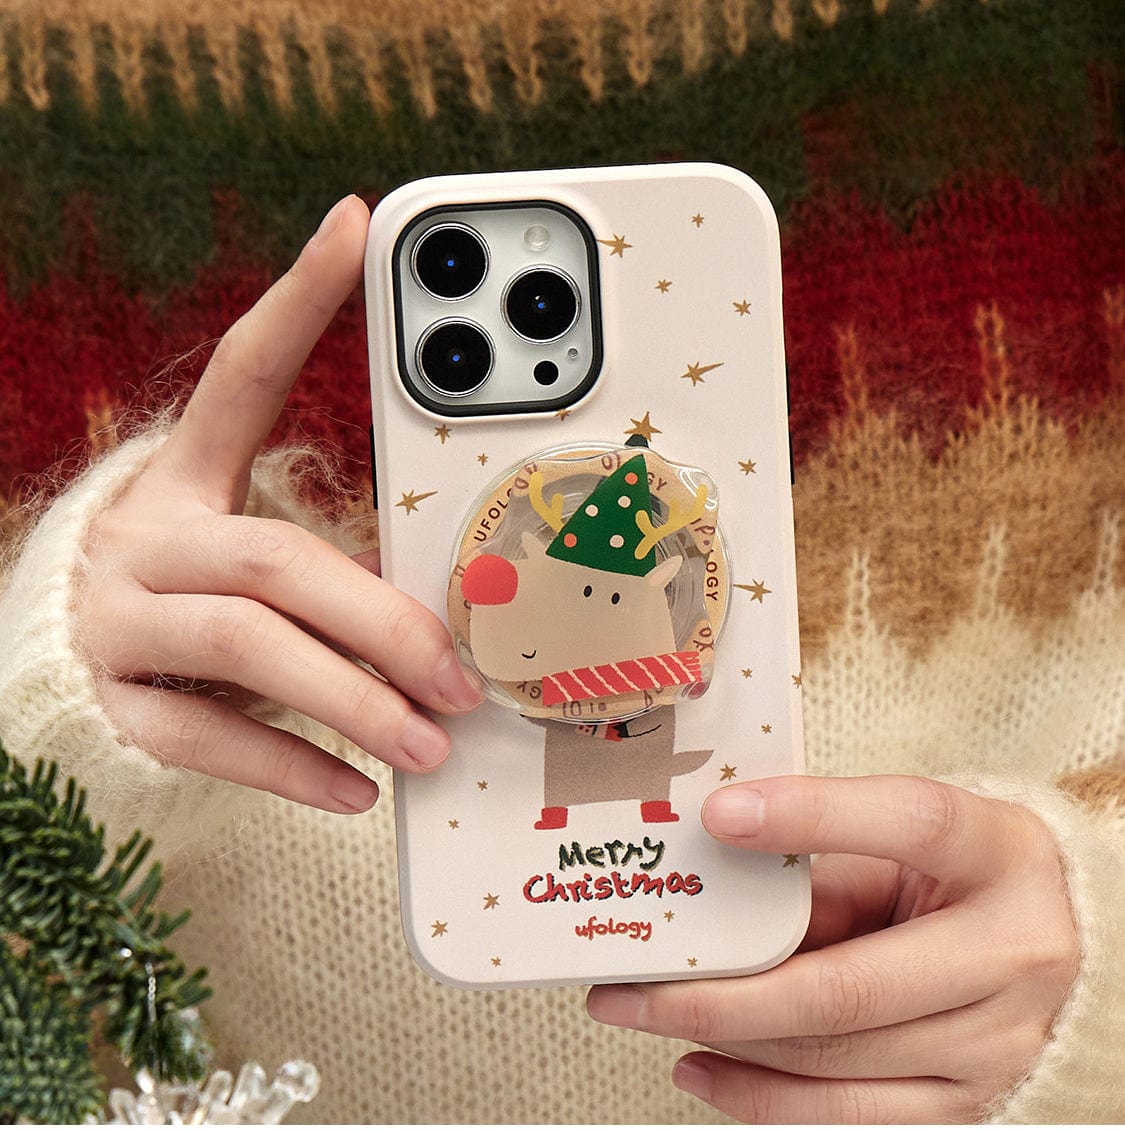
940,949
184,595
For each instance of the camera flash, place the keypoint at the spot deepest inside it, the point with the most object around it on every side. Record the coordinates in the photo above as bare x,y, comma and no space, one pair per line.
537,238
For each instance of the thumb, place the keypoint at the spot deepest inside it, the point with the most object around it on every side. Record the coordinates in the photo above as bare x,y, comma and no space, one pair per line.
937,829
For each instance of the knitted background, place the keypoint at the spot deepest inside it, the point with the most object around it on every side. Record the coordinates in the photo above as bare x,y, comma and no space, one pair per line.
948,173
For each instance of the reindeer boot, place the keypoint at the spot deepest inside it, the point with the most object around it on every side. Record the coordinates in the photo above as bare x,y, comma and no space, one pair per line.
657,812
554,817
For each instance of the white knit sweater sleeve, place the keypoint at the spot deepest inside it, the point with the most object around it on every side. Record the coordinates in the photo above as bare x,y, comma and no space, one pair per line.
48,705
1079,1076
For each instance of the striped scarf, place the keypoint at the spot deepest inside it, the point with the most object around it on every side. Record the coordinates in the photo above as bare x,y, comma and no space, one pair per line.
648,673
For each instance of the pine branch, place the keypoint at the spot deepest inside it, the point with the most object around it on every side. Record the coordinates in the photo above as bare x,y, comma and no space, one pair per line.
93,935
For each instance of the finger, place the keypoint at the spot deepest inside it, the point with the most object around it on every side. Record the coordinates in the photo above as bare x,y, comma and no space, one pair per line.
851,895
240,641
204,734
759,1095
948,1045
255,364
370,560
907,971
290,569
938,829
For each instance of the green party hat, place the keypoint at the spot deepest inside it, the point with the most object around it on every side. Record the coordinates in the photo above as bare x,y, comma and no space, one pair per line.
604,532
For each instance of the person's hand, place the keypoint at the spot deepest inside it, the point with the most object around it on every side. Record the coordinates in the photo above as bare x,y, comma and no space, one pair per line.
941,946
189,608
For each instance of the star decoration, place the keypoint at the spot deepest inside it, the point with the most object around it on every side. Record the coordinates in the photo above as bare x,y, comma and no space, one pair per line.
697,220
792,860
796,679
490,901
617,245
748,466
757,591
454,824
496,962
443,432
482,459
563,413
669,916
728,772
643,427
747,673
695,372
662,285
766,728
742,307
482,785
693,961
410,500
438,928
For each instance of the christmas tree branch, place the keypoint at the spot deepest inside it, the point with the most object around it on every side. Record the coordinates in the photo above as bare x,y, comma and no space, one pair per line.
91,937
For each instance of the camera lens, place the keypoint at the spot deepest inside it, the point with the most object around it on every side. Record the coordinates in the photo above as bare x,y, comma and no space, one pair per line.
541,305
450,261
455,358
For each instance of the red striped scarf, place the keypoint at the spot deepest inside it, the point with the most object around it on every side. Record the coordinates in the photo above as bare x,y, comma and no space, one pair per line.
669,669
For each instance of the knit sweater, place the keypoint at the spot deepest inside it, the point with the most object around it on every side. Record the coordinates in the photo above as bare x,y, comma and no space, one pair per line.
295,909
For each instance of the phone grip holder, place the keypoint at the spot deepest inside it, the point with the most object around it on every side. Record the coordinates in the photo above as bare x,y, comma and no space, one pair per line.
590,583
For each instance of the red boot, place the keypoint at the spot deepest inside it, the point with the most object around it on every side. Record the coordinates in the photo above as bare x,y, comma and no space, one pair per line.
554,817
657,812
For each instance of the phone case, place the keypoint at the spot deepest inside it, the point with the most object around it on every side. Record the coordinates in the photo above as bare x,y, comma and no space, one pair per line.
635,548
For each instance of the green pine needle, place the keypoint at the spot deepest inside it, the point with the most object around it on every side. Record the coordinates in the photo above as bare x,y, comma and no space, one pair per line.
91,938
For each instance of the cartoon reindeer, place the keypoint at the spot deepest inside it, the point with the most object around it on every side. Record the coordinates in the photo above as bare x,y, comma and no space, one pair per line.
588,616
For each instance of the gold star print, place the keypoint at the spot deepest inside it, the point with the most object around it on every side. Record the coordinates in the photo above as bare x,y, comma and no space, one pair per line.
482,459
742,307
617,245
757,591
410,500
643,427
443,432
796,679
662,285
697,220
728,772
695,372
482,785
439,929
454,824
669,916
766,728
496,962
792,860
563,413
748,466
747,673
490,901
693,961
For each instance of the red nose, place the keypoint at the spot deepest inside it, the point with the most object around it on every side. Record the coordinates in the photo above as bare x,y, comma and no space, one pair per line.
489,580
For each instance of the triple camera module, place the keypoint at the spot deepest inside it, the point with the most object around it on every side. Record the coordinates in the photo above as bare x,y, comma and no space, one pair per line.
498,309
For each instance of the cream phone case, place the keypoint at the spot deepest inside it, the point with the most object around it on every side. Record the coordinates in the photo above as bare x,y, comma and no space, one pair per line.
617,567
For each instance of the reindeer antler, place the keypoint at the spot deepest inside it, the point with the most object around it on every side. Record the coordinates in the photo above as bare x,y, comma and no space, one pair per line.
678,518
551,515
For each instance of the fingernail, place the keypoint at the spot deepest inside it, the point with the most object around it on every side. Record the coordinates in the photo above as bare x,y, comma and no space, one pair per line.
331,220
623,1006
353,791
734,812
454,685
693,1077
424,742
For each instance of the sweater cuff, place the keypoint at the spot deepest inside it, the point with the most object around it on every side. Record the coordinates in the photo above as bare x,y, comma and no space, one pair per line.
48,703
1077,1076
